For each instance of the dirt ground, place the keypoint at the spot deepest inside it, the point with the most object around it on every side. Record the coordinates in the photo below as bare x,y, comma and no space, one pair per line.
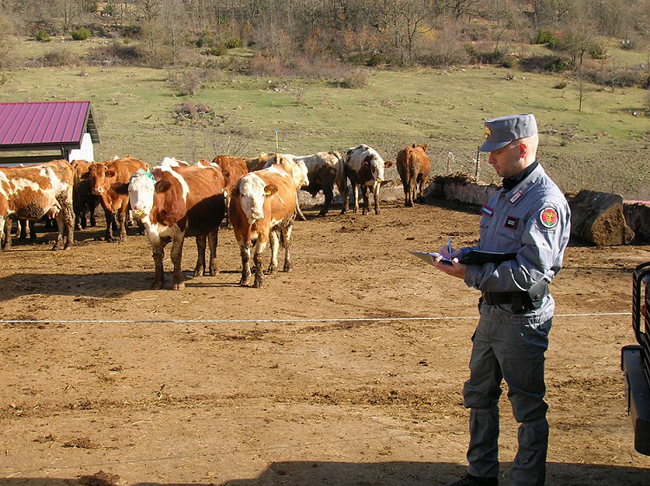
346,371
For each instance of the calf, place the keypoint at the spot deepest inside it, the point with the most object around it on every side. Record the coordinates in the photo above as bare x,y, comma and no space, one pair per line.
365,168
175,202
110,181
83,199
324,170
262,211
413,166
35,191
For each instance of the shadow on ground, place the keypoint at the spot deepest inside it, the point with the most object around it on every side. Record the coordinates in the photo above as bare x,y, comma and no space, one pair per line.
315,473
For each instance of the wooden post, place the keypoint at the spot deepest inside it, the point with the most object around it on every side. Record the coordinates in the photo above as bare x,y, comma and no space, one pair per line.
477,171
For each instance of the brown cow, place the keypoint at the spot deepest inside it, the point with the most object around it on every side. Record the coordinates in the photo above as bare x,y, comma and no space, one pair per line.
365,168
413,166
233,168
258,162
110,181
35,191
262,210
178,201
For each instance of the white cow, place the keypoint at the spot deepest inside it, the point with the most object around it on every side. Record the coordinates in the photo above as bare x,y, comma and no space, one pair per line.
365,168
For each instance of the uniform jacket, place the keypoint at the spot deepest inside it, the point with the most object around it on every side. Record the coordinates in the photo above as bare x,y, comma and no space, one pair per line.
532,220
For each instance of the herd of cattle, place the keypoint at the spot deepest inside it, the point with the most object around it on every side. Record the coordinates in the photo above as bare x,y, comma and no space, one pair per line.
257,196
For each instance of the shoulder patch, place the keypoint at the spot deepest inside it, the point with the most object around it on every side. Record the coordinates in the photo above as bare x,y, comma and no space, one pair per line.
548,217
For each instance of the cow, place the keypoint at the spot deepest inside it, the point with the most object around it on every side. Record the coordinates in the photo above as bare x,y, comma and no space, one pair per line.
324,170
364,167
35,191
296,169
257,163
110,181
83,199
413,166
262,211
175,202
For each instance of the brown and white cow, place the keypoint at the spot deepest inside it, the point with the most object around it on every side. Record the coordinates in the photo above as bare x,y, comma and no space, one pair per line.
35,191
324,170
110,181
233,168
83,199
413,166
365,168
175,202
262,212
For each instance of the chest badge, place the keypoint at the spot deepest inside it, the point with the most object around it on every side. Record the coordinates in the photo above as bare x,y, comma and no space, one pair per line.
511,222
515,197
548,218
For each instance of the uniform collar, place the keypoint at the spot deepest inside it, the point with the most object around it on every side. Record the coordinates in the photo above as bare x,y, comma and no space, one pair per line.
516,193
511,182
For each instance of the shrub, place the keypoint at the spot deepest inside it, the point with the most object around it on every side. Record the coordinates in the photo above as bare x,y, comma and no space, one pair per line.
185,83
116,53
355,78
192,112
233,42
218,50
42,36
560,85
598,51
82,33
628,45
546,37
59,57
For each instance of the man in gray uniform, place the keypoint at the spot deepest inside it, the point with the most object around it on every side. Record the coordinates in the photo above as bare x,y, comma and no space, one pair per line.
529,222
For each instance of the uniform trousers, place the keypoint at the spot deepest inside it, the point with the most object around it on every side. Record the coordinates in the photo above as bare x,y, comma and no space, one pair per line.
513,352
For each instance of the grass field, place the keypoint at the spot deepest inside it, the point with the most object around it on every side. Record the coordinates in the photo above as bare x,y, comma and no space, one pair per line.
603,147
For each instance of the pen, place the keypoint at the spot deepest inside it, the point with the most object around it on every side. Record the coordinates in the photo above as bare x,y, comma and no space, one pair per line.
449,246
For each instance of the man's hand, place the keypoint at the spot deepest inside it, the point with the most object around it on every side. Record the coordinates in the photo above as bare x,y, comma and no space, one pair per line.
455,268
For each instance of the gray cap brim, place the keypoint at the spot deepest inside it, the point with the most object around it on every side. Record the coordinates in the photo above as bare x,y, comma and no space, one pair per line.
492,146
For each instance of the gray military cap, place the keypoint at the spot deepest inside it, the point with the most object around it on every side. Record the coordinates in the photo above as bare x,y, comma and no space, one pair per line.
502,130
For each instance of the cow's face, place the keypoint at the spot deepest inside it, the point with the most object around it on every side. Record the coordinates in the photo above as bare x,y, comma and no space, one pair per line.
141,191
101,176
301,174
252,193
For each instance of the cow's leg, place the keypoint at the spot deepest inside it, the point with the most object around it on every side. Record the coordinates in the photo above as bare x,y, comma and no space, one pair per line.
245,252
32,230
199,269
61,229
92,205
286,234
109,224
423,184
158,253
122,224
345,195
299,211
68,220
177,259
275,246
329,194
366,199
375,194
23,229
213,242
355,189
260,246
5,225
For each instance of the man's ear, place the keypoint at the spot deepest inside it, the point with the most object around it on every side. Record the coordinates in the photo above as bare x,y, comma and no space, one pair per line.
523,150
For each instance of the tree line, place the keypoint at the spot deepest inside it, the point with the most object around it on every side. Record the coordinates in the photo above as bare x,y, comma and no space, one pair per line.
370,32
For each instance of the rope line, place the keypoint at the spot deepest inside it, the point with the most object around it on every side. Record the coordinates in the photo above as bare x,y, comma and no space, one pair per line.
226,321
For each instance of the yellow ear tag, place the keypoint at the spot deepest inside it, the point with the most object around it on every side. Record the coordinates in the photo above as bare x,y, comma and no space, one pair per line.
267,193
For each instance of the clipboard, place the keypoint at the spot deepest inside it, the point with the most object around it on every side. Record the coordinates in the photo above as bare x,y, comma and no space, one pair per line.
474,257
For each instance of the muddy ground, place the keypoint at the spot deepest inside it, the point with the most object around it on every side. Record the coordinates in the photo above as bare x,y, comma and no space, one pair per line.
346,371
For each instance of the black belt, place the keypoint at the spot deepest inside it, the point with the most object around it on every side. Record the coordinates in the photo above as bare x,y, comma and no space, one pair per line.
520,301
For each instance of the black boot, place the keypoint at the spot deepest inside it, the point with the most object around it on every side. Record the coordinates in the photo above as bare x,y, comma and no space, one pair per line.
469,480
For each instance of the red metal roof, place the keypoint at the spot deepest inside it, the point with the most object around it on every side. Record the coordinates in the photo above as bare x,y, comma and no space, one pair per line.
45,123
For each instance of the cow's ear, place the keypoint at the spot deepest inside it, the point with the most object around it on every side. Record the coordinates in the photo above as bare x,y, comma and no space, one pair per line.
387,164
121,189
425,146
270,189
234,191
85,175
109,173
162,186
